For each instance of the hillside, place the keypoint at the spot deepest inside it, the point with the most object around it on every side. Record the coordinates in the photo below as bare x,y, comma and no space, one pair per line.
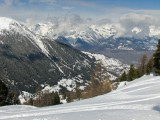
28,61
114,67
138,100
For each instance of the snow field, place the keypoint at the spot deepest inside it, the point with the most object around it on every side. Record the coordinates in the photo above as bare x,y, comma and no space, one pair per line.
138,100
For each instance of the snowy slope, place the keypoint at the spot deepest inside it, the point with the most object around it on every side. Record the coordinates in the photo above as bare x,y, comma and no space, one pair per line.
138,100
9,26
114,67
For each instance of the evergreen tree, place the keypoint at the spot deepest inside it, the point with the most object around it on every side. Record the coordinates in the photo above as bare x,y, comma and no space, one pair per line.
156,58
123,77
30,102
149,67
142,65
56,99
138,74
12,98
132,73
3,93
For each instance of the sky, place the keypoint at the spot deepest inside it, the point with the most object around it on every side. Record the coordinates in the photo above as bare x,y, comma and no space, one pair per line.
141,16
95,9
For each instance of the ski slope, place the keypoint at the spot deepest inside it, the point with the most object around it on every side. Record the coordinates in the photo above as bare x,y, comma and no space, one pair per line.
137,100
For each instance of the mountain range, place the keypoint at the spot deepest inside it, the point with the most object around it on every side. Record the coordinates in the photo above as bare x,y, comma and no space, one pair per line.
105,38
28,61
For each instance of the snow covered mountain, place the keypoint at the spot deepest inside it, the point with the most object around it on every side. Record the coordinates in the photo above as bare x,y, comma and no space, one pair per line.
98,35
10,27
138,100
106,38
28,61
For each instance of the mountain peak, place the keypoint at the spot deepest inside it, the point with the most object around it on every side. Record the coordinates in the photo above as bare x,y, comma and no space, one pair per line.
10,26
7,23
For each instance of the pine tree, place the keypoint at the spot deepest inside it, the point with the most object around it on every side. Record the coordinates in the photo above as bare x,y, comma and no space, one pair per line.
123,77
3,93
132,73
12,98
56,99
30,102
142,65
156,58
149,67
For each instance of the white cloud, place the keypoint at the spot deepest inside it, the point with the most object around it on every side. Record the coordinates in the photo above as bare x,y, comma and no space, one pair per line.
67,25
67,8
129,22
129,25
154,31
80,2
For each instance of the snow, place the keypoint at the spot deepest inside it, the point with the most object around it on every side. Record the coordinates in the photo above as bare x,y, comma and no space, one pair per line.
5,23
124,48
24,97
138,100
69,84
13,26
111,64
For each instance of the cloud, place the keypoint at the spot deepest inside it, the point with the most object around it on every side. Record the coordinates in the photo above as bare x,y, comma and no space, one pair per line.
67,8
71,2
136,25
127,22
138,19
8,2
129,25
66,25
43,1
103,21
81,3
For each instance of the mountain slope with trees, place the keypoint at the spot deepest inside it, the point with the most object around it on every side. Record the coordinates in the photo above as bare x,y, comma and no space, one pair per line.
28,61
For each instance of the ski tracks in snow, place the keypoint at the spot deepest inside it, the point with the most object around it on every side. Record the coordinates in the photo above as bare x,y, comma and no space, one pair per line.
82,108
131,102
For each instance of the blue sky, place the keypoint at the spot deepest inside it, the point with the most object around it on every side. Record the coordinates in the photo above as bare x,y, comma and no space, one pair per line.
95,9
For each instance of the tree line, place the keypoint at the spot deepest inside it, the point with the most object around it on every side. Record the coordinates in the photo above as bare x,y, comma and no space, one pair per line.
144,67
7,97
44,98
